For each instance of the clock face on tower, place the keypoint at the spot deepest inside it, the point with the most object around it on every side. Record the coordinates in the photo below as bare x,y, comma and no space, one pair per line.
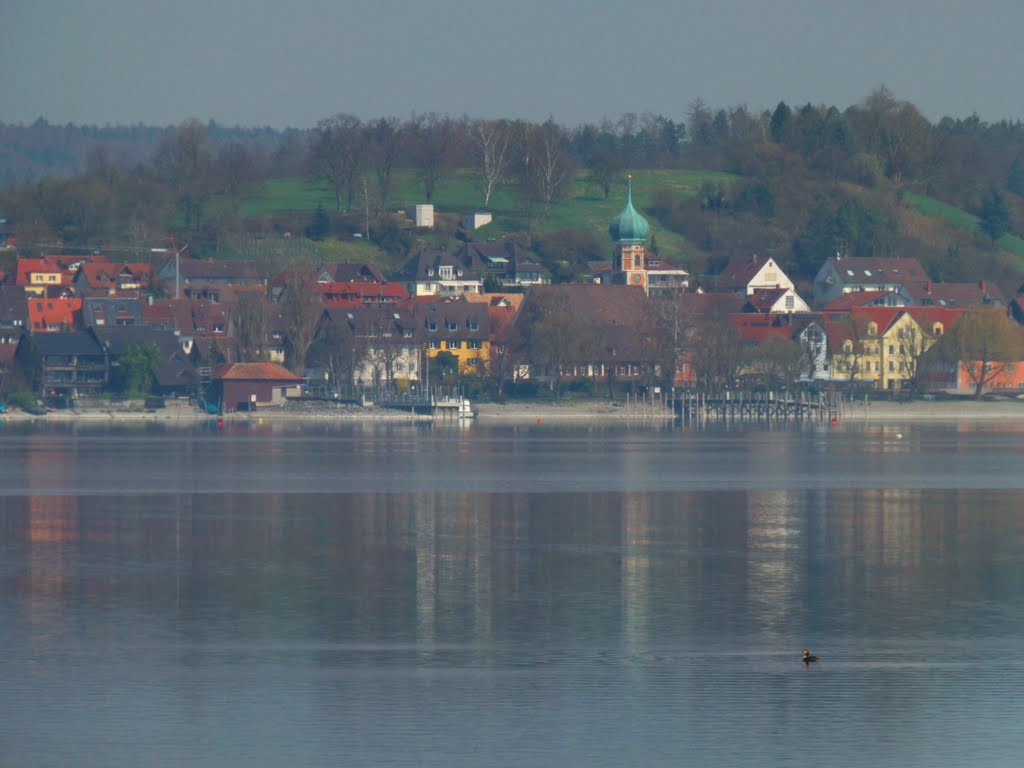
636,278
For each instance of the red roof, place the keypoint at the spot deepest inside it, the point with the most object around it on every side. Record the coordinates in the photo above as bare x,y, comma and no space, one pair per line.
254,372
54,314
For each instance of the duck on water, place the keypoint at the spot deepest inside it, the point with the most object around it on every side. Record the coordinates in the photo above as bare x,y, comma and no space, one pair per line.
809,657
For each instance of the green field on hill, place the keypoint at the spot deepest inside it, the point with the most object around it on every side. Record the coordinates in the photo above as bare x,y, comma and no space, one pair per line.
583,207
961,219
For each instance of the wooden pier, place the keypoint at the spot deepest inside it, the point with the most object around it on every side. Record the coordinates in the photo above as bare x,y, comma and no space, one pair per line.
756,407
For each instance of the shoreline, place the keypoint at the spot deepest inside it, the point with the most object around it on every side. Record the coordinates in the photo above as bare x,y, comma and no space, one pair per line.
539,413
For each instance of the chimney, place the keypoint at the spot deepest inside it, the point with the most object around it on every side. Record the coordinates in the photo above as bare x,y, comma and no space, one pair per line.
981,284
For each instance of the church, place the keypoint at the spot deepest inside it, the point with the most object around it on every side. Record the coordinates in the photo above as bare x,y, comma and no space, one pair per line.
632,263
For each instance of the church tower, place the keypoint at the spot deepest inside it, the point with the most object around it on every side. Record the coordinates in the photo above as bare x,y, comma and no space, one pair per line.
629,231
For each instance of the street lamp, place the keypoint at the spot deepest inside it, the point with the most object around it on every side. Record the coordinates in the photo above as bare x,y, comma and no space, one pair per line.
177,265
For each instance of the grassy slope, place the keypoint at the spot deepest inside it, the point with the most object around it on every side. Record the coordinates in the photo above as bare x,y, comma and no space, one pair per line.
583,207
961,219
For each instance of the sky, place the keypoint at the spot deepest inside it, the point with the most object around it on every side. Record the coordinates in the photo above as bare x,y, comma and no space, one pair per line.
290,64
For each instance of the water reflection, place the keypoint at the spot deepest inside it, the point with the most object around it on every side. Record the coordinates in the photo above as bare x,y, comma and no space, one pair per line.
471,610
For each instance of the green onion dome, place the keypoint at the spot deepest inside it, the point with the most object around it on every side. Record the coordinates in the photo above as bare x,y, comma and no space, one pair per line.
629,226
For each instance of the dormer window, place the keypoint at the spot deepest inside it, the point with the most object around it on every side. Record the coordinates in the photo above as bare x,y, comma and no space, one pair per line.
451,325
872,329
430,271
431,325
473,325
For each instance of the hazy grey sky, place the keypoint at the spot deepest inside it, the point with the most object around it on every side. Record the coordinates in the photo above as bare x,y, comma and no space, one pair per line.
281,64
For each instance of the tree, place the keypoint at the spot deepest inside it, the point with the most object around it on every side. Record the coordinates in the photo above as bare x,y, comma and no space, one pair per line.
675,326
544,167
252,323
340,352
490,143
337,152
985,343
780,362
553,338
605,168
301,306
994,218
715,352
135,369
183,161
434,141
319,224
385,138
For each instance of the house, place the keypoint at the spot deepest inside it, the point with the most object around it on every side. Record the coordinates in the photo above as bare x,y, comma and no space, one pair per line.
247,386
71,364
847,274
774,301
104,277
174,372
41,277
182,273
371,345
348,272
746,274
614,329
956,295
857,299
459,327
882,346
509,262
360,292
99,311
47,315
442,273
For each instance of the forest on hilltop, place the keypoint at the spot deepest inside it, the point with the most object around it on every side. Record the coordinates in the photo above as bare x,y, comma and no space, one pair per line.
799,183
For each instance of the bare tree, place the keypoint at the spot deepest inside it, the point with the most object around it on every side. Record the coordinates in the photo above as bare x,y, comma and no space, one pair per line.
252,322
434,141
337,152
184,162
544,167
385,139
301,306
490,145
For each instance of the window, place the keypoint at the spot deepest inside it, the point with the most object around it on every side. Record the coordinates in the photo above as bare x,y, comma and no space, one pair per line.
473,344
892,349
407,333
431,325
892,366
453,344
473,325
451,325
790,302
433,344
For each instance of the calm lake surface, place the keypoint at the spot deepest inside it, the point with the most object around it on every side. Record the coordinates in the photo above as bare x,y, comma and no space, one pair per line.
402,595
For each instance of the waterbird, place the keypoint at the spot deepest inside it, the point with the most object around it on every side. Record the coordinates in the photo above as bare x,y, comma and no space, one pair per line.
809,657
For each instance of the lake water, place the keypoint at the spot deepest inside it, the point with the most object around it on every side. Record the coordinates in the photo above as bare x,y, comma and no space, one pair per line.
416,595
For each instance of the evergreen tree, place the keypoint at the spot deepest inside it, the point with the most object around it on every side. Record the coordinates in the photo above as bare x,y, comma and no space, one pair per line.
319,225
994,219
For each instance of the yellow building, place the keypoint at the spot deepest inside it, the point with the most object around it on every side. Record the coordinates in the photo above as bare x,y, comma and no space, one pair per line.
459,327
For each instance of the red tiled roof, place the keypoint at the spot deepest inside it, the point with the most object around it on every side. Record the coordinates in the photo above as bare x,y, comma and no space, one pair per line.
254,372
47,314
